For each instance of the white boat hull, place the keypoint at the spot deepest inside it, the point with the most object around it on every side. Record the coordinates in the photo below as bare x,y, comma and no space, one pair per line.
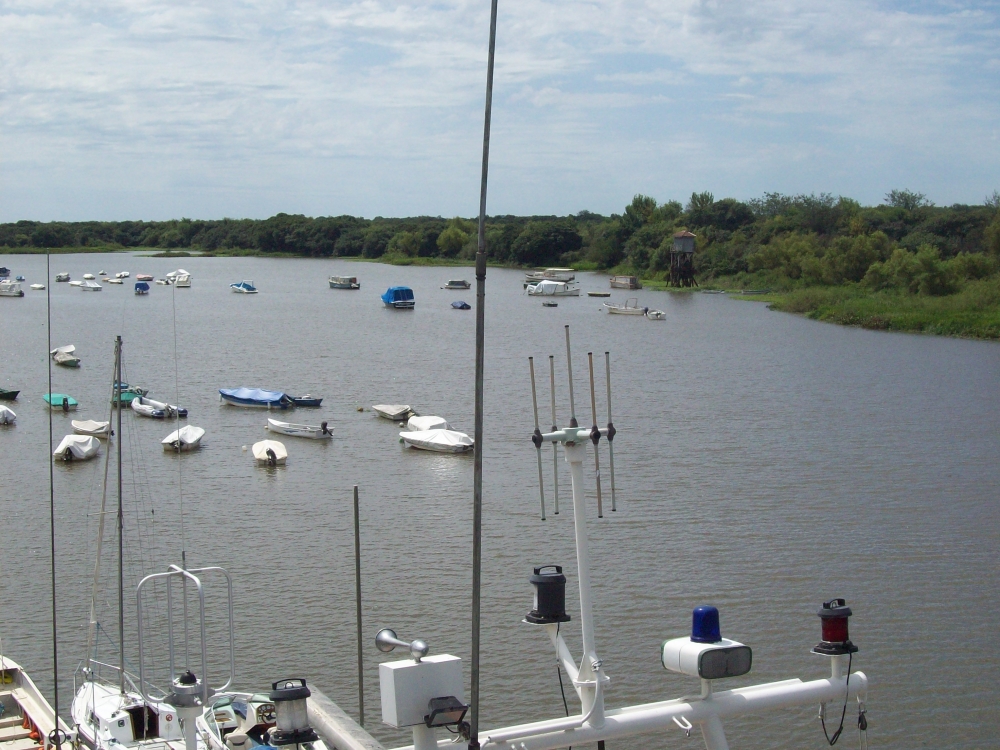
270,453
312,432
439,441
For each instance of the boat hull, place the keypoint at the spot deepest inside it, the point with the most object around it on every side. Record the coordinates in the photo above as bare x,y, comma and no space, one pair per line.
308,431
438,441
8,395
255,398
394,412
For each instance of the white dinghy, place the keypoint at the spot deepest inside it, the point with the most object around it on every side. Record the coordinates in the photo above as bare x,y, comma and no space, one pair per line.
77,448
270,453
147,407
395,412
90,427
419,424
187,438
65,356
313,432
7,415
442,441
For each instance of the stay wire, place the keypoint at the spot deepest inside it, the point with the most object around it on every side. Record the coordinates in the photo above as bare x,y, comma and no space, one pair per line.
822,718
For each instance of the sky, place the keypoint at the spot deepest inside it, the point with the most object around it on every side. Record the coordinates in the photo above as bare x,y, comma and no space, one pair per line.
153,109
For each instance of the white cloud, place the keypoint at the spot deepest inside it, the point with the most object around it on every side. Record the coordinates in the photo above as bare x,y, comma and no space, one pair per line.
152,108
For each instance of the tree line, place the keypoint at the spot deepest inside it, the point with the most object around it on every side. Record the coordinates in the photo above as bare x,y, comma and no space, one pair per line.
777,240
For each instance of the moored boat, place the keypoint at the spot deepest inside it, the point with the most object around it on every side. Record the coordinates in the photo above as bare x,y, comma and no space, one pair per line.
399,297
187,438
256,397
270,453
91,427
313,432
418,424
64,355
395,412
127,393
141,287
62,276
550,274
243,287
60,401
88,277
147,407
457,284
122,275
440,441
656,315
91,286
6,395
307,400
37,287
549,303
144,277
625,282
76,283
631,307
461,305
77,448
183,280
549,288
7,415
119,282
598,294
344,282
11,289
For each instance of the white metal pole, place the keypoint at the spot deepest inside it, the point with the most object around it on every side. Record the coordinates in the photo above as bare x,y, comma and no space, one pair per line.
423,738
589,695
714,735
189,718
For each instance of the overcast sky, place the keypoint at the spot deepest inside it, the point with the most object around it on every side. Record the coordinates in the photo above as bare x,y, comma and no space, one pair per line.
150,109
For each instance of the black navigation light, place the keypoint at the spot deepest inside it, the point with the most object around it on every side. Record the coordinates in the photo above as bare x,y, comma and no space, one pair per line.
550,596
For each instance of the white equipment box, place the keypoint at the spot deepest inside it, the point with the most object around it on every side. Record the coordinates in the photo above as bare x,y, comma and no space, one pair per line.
408,686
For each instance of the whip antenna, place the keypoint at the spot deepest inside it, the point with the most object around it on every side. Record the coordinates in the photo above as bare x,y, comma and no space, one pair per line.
611,428
555,446
595,436
536,437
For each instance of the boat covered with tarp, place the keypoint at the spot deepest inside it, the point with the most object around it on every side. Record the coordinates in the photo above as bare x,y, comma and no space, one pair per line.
399,297
549,288
65,356
77,448
256,397
7,415
141,287
187,438
440,441
91,427
395,412
417,424
270,453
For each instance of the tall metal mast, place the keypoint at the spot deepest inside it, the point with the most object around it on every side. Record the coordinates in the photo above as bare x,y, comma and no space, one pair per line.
121,521
477,482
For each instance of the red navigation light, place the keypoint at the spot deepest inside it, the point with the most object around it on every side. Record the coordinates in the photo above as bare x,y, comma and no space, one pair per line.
833,615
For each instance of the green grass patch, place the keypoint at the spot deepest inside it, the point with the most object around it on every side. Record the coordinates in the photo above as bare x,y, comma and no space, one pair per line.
4,250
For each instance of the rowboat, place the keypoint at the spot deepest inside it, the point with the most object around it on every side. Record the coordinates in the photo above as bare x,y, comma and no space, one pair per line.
598,294
92,428
37,287
60,401
256,397
187,438
243,287
313,432
8,395
114,281
395,412
64,355
344,282
399,297
419,424
76,282
270,453
77,448
7,415
631,307
441,441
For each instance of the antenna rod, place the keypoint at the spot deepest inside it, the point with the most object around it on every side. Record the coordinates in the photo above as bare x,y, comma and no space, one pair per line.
611,428
536,437
121,520
595,436
52,505
477,472
569,368
555,443
357,601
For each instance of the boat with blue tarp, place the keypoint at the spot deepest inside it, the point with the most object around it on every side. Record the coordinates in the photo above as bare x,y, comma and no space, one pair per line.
399,297
141,287
461,305
256,397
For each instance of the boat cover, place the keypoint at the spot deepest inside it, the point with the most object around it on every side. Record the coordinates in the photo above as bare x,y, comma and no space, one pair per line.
189,436
418,424
442,441
90,427
77,446
278,448
548,287
255,397
392,411
7,416
397,294
460,305
141,286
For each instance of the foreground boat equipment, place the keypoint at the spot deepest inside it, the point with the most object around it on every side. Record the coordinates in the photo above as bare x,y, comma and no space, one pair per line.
292,724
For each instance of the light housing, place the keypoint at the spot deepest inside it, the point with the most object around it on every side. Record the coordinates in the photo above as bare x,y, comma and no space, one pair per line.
550,596
706,654
444,712
836,640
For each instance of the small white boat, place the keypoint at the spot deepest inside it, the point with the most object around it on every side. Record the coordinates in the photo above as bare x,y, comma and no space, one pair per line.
77,448
91,286
395,412
122,275
62,276
76,283
147,407
37,287
90,427
549,288
163,282
457,284
7,415
344,282
88,277
270,453
187,438
551,274
441,441
631,307
313,432
183,280
63,355
244,287
115,281
10,288
656,315
144,277
419,424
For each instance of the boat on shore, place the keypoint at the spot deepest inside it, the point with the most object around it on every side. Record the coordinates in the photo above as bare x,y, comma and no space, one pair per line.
92,428
439,440
256,397
550,288
60,401
77,448
399,297
344,282
631,307
187,438
313,432
65,356
394,412
241,287
270,453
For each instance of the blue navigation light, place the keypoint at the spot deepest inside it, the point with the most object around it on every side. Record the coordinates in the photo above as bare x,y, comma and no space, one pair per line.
705,625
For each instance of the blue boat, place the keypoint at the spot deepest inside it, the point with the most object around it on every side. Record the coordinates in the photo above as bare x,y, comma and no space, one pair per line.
141,287
461,305
244,287
400,297
256,397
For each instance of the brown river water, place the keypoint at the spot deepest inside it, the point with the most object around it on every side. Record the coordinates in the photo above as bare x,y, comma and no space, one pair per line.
764,463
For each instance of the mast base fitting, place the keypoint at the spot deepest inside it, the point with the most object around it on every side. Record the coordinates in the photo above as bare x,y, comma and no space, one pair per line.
281,737
825,648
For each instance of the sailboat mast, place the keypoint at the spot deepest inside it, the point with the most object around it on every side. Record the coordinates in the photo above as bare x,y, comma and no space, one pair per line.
121,521
477,472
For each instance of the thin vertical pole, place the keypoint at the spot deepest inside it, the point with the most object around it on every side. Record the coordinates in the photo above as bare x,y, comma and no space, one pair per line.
52,508
611,429
357,604
569,370
536,438
595,437
555,443
477,481
121,521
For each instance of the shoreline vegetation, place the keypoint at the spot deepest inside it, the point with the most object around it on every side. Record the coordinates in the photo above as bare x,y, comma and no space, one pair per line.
903,265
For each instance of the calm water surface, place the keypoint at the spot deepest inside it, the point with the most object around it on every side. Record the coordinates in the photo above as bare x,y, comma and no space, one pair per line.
765,463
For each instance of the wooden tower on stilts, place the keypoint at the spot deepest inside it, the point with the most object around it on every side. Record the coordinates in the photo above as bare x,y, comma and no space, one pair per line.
682,260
